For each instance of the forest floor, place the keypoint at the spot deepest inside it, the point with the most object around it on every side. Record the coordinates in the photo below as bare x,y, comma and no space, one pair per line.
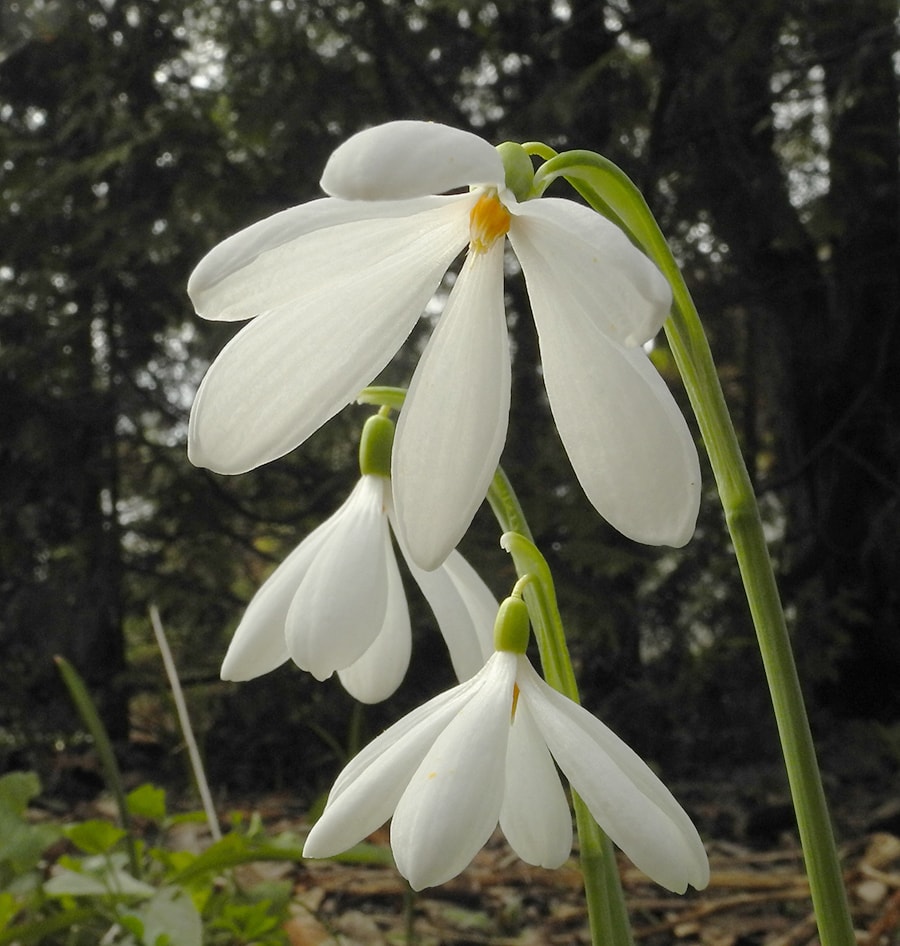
758,895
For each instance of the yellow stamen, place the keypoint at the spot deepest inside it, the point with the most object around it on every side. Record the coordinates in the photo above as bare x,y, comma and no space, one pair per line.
515,702
488,221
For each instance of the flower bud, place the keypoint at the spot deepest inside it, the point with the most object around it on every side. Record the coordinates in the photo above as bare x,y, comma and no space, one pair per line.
511,629
375,444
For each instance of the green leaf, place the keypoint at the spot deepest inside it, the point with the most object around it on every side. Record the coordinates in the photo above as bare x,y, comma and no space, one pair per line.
39,931
147,801
134,924
9,907
248,921
17,789
113,882
21,843
170,917
94,836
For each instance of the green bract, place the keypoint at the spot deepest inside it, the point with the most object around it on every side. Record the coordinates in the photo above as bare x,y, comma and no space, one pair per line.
511,629
518,169
375,444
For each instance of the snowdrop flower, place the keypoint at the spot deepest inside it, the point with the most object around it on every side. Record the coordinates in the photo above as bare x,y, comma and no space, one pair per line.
337,601
339,283
484,753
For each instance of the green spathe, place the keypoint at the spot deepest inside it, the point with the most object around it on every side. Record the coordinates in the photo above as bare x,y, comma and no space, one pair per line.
518,169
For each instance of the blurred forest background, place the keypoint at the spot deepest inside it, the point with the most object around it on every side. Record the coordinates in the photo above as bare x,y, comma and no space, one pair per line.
136,135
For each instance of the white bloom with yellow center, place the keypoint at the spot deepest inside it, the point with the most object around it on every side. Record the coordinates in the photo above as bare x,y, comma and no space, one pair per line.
337,603
337,285
484,753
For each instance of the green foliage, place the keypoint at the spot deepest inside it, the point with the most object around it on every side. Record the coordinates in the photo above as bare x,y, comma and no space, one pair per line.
21,842
89,893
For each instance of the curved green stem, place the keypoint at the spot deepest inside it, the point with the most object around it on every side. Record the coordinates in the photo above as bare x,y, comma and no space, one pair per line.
383,396
607,913
539,149
612,193
506,507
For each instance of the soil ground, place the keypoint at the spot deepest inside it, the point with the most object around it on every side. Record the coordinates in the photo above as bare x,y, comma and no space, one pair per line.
758,895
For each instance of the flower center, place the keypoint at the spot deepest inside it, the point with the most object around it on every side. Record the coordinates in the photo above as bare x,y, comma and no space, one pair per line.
515,703
488,221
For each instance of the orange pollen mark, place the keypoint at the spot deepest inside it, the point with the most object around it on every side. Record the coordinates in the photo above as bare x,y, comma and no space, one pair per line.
515,702
488,220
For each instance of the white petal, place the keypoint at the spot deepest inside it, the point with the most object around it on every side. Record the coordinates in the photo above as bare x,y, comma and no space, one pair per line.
409,159
381,669
535,817
465,609
628,442
340,605
368,789
453,424
452,803
628,801
258,645
299,251
579,259
281,377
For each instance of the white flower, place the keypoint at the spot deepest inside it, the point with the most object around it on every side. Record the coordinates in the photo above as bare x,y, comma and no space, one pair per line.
337,603
339,283
484,753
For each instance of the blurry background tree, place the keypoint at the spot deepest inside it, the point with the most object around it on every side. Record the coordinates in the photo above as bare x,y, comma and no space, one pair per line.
135,135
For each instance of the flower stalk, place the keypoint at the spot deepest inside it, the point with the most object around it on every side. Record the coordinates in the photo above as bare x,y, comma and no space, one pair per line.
607,913
609,191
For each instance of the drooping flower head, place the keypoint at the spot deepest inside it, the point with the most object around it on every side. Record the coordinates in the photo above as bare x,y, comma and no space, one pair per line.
338,284
485,753
337,603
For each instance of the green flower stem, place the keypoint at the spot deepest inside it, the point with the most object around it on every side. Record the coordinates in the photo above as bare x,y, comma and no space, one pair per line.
612,193
382,396
506,507
745,527
607,913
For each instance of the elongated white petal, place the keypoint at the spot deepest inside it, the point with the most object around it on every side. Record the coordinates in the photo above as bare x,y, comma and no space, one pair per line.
301,251
259,645
409,159
629,444
578,259
339,607
381,669
453,424
452,803
535,816
368,789
465,610
628,801
281,377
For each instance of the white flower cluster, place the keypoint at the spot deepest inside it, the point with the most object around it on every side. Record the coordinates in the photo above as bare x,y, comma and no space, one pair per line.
333,288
